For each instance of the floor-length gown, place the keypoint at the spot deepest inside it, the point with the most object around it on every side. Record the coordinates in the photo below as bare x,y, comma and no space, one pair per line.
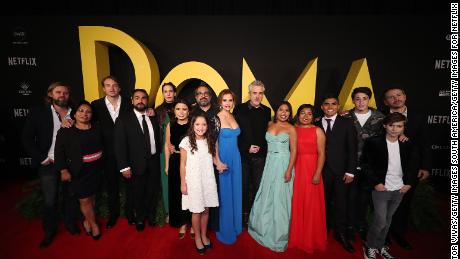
308,224
230,187
271,213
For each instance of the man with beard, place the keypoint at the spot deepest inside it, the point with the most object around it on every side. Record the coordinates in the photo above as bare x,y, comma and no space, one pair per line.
416,131
137,147
106,111
39,138
252,117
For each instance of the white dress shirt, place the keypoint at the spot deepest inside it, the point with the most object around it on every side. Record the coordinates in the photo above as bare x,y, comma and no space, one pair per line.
56,126
113,112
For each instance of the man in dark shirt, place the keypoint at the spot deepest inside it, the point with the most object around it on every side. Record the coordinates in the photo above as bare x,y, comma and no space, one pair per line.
252,117
204,106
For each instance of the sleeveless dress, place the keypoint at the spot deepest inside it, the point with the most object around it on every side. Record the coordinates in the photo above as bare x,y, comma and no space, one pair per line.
308,225
230,187
177,216
199,177
271,213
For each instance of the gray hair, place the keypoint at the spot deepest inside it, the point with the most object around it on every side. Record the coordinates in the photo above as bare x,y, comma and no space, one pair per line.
256,83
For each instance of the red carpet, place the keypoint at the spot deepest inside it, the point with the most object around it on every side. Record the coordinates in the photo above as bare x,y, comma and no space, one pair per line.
19,238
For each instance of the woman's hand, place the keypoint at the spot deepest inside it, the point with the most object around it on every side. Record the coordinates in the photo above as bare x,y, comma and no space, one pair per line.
183,188
65,175
316,179
287,176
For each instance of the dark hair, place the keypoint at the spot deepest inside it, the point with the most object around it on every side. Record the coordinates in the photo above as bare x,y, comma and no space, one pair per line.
140,90
392,88
224,92
183,101
394,117
289,107
330,96
301,107
80,103
170,84
363,89
208,135
109,77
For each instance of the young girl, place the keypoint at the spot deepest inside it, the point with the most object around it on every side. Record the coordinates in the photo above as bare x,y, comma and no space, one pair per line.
198,183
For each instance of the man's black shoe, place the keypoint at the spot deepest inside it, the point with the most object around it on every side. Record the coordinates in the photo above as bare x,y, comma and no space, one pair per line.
47,241
140,226
131,221
342,239
402,242
111,222
73,229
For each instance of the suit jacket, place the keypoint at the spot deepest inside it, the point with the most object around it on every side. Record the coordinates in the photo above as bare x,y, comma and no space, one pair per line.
67,151
341,146
246,138
130,147
417,130
375,160
37,135
101,115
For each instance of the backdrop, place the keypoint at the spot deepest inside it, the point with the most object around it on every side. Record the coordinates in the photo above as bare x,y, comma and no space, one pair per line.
404,50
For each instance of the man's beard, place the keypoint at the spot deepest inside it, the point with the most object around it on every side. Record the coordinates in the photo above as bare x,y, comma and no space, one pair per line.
140,109
61,103
203,103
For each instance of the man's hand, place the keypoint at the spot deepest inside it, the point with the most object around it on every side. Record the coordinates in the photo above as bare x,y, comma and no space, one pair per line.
127,174
150,112
380,187
423,174
65,175
67,123
405,189
347,179
254,149
403,138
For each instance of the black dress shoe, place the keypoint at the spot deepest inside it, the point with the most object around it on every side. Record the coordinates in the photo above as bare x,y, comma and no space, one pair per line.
342,239
140,226
111,222
402,242
73,229
47,241
131,221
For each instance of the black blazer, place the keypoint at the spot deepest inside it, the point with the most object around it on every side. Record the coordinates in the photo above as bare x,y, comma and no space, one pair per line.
246,138
341,147
67,150
37,135
375,160
129,142
101,115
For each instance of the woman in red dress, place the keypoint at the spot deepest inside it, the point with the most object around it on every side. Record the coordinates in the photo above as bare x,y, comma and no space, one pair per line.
308,222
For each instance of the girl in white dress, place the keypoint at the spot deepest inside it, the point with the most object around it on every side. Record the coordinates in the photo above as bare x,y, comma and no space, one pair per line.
198,183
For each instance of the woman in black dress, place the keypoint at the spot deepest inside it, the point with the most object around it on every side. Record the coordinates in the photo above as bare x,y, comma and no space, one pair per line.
175,131
78,156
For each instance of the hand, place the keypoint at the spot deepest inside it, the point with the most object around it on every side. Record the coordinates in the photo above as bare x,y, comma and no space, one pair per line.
166,170
172,149
254,149
403,138
347,179
150,112
65,175
183,188
127,174
344,113
405,189
221,167
47,161
287,176
380,187
67,123
316,179
423,174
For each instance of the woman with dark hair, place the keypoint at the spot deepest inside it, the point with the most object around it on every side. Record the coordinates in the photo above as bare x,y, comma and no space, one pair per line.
308,224
164,113
78,156
271,213
175,131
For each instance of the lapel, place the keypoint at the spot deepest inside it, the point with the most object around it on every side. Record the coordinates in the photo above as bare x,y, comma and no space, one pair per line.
106,111
136,125
49,121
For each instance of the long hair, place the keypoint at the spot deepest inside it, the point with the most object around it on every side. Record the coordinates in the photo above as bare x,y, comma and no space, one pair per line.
209,139
184,102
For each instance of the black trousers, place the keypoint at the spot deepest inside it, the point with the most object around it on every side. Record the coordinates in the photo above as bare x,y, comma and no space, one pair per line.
112,185
144,190
50,179
252,170
359,201
337,201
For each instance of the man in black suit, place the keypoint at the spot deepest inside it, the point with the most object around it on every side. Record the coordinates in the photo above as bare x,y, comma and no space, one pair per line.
416,131
252,117
39,138
339,168
106,111
137,147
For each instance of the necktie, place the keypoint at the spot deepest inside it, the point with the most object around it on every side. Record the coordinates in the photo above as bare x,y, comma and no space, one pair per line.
329,129
145,128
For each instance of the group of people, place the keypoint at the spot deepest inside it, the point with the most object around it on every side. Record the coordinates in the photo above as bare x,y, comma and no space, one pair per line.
289,179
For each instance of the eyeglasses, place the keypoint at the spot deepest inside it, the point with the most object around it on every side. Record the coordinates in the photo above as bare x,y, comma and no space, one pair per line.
202,93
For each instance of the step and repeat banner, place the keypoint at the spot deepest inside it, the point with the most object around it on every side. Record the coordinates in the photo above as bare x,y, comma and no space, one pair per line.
299,58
